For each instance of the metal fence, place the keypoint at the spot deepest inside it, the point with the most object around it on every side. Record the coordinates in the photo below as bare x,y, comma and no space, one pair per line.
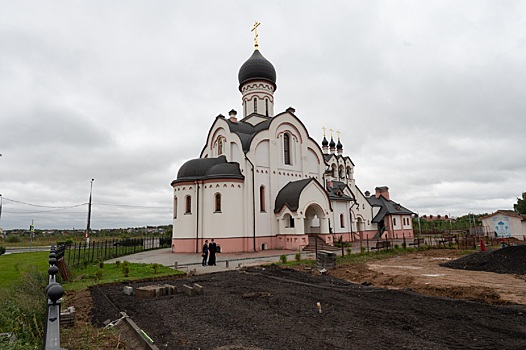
54,293
78,254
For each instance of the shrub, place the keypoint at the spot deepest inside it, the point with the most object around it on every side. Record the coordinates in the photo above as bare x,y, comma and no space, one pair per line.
118,263
362,250
155,268
283,258
13,239
297,257
98,275
348,250
396,246
125,266
2,250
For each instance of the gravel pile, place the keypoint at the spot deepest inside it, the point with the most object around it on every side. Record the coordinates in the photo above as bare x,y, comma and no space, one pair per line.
508,260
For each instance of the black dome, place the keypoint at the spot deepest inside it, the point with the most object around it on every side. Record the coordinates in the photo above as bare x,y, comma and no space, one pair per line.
324,142
208,168
332,144
339,145
257,67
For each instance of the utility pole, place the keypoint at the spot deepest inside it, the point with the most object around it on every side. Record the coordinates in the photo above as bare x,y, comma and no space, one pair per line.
88,229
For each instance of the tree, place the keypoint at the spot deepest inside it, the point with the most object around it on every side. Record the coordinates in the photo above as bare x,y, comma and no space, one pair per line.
520,207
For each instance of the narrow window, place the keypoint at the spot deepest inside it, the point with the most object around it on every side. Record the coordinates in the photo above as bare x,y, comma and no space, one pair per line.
286,148
175,207
291,221
220,141
218,202
255,105
394,221
342,221
262,199
188,205
266,107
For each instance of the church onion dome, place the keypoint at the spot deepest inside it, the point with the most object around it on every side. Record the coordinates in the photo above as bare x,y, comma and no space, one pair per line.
208,168
257,67
339,145
324,143
332,144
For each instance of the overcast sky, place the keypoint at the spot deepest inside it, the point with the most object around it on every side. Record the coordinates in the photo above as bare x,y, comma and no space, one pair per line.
430,98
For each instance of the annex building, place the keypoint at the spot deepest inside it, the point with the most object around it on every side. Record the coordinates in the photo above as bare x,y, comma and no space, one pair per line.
262,182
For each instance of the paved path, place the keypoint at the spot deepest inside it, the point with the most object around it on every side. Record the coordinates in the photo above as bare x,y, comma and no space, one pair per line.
225,261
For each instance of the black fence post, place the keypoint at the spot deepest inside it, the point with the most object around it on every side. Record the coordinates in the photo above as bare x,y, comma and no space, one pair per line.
54,293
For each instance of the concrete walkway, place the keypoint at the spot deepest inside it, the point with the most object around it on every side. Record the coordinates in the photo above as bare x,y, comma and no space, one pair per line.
188,262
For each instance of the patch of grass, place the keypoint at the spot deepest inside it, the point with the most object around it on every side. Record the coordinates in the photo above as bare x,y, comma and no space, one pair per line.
81,278
12,266
23,307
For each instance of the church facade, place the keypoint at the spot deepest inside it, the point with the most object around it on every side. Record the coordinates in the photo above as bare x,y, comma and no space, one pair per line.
262,182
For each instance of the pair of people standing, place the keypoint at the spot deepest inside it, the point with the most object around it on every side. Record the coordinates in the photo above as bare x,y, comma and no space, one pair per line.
212,249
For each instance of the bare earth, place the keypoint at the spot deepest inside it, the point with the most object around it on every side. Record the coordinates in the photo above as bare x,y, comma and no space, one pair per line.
274,308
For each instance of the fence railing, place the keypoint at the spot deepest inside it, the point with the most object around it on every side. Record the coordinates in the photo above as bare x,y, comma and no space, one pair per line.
77,254
54,293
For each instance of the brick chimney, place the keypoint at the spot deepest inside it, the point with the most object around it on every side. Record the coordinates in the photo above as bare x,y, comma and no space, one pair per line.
382,191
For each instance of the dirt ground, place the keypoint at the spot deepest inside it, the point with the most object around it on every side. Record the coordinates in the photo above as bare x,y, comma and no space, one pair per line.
407,302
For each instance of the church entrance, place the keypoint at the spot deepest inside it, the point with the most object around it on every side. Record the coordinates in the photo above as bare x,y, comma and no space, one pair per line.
315,221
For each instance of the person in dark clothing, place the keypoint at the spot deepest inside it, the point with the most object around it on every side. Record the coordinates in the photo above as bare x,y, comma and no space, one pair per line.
213,249
205,253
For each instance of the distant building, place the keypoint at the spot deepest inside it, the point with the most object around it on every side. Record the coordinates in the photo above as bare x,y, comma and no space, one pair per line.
262,182
505,223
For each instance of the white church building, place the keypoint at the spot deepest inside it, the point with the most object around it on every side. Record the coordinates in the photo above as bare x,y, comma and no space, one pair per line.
262,182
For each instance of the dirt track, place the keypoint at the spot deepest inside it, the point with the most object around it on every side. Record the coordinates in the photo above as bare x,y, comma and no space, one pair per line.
275,308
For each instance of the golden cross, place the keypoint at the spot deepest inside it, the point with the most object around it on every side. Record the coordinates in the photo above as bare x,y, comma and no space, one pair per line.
331,132
324,128
255,30
338,132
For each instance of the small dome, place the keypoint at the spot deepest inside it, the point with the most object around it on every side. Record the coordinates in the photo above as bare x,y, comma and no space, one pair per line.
205,168
257,67
332,144
339,145
324,143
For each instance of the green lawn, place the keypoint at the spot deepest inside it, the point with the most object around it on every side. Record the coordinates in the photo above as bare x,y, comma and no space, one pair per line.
13,265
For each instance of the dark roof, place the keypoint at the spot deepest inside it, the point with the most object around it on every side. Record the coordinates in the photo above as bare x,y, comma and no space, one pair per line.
324,142
332,144
336,192
327,157
289,195
387,207
247,131
257,67
208,168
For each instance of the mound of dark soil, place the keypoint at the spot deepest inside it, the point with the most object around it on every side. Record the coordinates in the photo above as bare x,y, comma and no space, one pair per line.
272,309
508,260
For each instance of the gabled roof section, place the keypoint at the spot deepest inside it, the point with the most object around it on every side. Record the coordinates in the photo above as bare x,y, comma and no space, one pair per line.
289,195
327,157
337,192
246,131
387,207
511,213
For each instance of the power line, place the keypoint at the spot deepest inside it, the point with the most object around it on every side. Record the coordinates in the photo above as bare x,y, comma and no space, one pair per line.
44,206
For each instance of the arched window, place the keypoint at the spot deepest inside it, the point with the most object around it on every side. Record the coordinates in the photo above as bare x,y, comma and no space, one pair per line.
342,172
342,221
289,221
218,202
286,148
394,221
334,170
175,207
262,206
188,209
266,107
220,145
255,105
